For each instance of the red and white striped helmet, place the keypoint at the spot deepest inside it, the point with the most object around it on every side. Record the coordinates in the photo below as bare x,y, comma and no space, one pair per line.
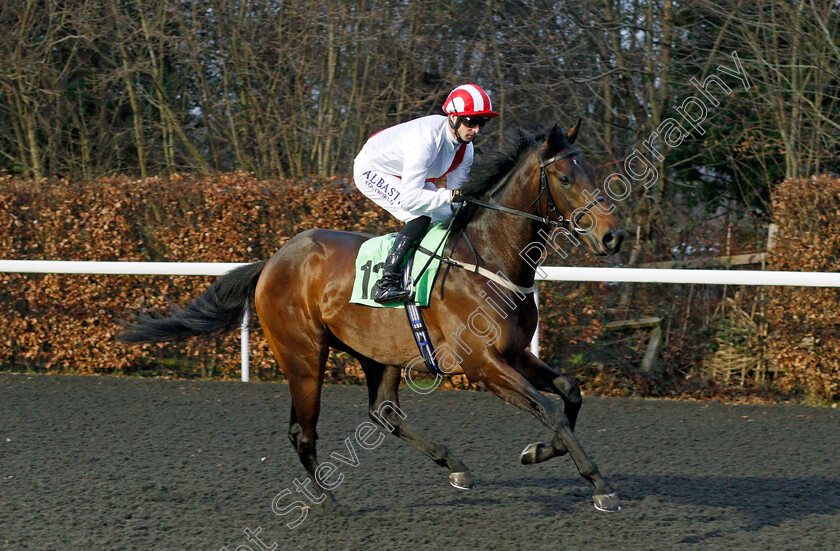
469,100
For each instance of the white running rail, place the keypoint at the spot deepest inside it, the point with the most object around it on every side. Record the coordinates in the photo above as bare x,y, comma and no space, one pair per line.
544,273
138,268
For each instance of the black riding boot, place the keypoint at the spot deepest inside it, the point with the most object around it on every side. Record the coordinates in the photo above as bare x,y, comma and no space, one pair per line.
390,285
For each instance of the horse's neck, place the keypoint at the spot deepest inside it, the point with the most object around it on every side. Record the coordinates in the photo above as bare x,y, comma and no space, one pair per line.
504,240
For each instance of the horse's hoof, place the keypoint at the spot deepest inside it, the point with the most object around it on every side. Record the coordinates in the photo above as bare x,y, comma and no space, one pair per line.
462,480
607,503
529,454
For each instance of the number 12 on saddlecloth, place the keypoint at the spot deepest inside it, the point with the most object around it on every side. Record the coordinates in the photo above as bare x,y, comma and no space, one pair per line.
366,268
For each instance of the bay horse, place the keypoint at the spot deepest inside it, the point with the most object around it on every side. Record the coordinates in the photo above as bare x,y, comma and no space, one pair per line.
520,199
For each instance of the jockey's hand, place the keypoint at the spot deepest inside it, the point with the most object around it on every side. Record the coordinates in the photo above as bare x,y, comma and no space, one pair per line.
457,196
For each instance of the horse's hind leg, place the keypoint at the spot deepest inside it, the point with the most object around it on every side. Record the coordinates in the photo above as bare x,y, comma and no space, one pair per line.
383,383
306,406
302,354
539,374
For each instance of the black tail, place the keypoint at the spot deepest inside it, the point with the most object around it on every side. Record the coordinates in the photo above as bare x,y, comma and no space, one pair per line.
217,311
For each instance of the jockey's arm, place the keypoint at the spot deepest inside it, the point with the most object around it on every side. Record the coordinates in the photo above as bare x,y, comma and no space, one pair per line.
416,197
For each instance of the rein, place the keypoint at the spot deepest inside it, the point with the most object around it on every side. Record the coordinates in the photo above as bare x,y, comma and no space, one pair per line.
560,220
493,206
475,268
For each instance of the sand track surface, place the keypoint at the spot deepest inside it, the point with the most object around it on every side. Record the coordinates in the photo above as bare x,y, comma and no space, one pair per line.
115,463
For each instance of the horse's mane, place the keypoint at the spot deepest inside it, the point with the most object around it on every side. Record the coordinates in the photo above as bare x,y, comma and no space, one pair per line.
488,173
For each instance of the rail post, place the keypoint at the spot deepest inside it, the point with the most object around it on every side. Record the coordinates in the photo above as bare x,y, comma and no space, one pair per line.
243,331
535,340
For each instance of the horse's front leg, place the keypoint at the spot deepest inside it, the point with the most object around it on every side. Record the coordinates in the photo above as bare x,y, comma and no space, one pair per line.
546,379
506,382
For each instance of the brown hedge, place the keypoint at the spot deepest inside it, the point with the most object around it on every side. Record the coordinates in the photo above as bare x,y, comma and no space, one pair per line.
65,323
805,322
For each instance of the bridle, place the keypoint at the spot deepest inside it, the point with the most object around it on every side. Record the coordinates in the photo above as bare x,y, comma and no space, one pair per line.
559,219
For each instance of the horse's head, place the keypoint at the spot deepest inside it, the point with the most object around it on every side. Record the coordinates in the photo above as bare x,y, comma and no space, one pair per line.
567,189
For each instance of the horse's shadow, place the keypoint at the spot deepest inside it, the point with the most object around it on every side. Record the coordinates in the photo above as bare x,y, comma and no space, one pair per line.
764,501
749,503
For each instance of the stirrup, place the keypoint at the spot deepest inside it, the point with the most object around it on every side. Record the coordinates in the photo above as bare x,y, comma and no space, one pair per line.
386,294
390,290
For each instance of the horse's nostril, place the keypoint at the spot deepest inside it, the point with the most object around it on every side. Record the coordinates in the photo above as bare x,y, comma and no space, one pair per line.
612,240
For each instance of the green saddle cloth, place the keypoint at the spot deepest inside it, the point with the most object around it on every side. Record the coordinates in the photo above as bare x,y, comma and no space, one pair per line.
371,260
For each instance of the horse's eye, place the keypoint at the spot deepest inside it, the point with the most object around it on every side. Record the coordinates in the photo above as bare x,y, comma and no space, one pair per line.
565,179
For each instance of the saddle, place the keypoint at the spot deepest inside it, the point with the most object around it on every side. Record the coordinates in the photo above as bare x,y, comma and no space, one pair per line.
371,260
421,268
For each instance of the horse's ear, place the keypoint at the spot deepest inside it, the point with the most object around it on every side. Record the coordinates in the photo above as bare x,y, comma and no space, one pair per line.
555,142
573,133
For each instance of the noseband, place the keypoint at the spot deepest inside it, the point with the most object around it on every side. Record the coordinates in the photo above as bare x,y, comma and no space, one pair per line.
559,219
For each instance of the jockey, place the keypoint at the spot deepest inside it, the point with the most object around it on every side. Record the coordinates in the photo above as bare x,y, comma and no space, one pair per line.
398,166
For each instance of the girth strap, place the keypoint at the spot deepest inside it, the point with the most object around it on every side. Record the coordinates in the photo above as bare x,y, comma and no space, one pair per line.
418,325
